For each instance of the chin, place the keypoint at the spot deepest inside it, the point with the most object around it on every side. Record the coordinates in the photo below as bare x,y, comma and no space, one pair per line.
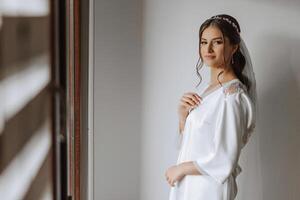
211,65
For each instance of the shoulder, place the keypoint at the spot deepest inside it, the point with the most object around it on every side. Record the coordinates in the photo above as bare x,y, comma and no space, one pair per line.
234,88
235,92
236,97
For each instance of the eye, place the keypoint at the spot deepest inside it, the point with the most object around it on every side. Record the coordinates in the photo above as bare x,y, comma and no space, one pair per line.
219,42
203,42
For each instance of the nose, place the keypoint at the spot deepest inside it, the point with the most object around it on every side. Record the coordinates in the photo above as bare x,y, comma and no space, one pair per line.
209,48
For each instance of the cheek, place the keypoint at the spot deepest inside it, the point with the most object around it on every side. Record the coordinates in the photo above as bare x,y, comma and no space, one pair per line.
219,53
202,51
219,50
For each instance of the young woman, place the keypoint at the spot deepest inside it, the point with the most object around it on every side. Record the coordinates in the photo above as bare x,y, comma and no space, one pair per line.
215,125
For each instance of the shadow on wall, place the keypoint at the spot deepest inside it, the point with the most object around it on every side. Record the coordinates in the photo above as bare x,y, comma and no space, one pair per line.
279,125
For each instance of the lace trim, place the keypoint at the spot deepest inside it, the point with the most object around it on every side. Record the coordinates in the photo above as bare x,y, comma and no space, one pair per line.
233,88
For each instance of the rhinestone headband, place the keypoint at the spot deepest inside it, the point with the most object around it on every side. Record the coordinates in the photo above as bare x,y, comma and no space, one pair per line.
227,20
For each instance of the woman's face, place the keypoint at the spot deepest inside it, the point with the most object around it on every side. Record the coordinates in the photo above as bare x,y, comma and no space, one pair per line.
212,48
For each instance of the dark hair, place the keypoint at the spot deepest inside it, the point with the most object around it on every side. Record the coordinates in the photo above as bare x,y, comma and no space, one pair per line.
233,34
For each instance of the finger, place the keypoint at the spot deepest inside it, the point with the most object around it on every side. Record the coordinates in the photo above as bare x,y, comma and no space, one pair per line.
192,101
187,100
190,95
198,97
191,104
194,97
185,104
193,94
173,183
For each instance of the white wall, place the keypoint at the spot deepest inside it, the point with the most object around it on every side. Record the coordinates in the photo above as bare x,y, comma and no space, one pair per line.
117,99
169,30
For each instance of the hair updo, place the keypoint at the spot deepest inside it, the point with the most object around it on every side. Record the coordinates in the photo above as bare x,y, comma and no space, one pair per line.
230,28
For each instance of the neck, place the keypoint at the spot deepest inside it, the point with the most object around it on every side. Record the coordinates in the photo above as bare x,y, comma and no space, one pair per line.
224,77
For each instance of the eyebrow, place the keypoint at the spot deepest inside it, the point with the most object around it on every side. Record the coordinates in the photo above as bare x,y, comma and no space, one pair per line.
213,38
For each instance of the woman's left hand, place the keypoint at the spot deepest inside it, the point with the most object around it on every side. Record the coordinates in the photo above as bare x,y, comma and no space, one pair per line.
174,174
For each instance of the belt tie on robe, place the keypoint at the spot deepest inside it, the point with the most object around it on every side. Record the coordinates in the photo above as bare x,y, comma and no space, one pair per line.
236,171
234,174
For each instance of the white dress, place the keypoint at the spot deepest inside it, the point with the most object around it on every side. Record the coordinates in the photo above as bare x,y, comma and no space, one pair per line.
213,136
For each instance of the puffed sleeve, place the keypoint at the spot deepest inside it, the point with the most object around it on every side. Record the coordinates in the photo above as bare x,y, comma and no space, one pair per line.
227,140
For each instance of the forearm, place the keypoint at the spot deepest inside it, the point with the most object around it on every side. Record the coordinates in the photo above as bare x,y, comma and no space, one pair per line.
181,125
188,168
182,120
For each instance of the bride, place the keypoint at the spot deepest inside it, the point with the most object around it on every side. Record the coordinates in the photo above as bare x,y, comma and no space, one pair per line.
215,125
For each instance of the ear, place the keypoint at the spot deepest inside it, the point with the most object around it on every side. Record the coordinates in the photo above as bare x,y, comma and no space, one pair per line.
234,48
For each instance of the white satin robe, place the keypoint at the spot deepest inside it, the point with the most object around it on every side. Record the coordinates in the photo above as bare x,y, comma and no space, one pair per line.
214,134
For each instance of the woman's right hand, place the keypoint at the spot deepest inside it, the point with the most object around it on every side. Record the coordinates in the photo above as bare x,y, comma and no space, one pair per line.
187,101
